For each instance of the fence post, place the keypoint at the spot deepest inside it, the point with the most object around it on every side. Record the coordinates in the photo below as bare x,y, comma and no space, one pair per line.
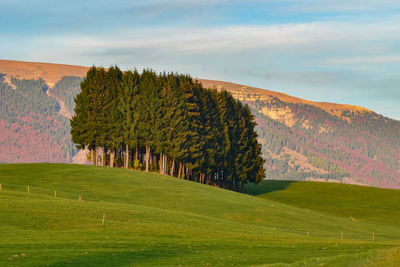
29,191
373,236
0,187
308,233
341,235
102,222
55,193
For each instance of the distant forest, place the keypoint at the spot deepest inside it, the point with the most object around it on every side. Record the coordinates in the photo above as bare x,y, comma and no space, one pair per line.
363,146
33,130
167,123
66,89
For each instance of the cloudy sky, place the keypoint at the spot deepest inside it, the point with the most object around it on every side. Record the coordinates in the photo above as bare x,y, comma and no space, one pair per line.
343,51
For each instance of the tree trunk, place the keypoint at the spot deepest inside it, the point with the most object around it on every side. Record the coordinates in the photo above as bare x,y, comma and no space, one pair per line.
153,164
112,155
165,168
126,162
172,168
131,158
93,157
104,156
183,172
147,158
180,170
117,157
161,163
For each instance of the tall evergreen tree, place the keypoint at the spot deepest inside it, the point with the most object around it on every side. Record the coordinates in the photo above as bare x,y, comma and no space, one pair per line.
149,107
112,127
82,125
128,107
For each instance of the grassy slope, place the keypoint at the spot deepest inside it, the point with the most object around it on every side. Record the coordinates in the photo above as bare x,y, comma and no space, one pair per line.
358,203
153,220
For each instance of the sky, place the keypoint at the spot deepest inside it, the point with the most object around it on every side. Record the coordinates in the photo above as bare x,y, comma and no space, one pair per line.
342,51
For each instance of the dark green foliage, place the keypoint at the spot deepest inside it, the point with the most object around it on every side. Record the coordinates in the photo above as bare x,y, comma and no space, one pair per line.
34,90
112,122
172,125
66,89
128,104
327,165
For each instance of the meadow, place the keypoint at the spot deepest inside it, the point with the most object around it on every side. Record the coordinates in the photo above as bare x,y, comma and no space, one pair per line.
151,219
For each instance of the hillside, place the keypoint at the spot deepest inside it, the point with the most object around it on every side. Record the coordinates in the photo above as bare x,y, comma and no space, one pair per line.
357,203
49,72
158,220
301,140
248,93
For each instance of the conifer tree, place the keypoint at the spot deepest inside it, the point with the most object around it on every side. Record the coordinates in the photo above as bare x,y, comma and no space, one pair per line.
112,127
82,132
128,106
149,106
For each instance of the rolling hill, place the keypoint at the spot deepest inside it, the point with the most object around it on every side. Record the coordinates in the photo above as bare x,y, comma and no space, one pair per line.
301,139
152,219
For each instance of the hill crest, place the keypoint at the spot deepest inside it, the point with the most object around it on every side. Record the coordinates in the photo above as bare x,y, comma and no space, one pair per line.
242,92
51,73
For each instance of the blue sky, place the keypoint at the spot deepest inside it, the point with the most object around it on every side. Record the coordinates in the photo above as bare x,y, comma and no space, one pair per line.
335,51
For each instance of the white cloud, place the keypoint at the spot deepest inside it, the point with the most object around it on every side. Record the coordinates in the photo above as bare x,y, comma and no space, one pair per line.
232,38
342,5
311,59
395,58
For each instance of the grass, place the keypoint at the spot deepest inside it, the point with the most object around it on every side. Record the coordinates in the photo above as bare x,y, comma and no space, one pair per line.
158,220
358,203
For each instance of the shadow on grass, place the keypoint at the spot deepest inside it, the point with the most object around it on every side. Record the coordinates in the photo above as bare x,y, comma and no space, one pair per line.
266,186
149,257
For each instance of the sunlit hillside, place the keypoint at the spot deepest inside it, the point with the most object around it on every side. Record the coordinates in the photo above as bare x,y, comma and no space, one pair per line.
151,219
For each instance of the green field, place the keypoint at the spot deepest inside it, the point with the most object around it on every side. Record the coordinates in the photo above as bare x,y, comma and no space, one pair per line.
158,220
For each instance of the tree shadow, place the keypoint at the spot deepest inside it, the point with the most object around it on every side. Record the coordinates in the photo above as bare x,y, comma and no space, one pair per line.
266,186
149,257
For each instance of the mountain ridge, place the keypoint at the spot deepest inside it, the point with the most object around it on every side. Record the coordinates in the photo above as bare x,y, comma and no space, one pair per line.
51,73
236,89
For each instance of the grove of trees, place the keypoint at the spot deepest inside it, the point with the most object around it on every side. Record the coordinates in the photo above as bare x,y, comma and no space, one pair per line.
166,123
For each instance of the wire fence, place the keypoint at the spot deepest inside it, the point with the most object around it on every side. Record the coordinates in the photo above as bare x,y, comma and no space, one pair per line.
345,234
29,189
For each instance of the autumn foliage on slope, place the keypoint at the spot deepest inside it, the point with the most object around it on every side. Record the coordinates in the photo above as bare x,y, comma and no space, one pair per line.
31,128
